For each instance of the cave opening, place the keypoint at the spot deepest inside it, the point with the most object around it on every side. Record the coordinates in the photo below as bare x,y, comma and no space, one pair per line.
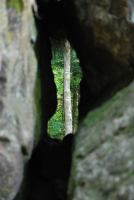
54,25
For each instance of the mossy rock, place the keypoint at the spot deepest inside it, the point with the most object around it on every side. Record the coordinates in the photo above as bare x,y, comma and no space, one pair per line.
18,5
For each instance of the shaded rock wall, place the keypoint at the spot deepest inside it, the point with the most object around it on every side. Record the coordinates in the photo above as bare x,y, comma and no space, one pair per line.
48,87
103,40
17,77
49,169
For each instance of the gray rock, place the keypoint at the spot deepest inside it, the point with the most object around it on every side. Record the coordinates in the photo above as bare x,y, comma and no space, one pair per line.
17,78
103,161
105,47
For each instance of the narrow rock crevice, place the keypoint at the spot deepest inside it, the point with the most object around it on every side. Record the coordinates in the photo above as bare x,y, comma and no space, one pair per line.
48,170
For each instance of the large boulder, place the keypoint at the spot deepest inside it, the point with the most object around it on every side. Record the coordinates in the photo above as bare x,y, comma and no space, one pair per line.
102,34
103,160
17,77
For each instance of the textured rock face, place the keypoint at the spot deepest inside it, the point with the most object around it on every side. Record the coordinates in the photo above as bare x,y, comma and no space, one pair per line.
17,77
102,35
103,162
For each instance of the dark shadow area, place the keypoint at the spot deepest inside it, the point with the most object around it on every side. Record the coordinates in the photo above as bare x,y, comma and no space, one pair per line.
48,88
47,173
49,169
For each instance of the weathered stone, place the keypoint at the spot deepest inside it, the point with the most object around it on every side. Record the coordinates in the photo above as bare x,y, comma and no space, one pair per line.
102,35
103,161
17,77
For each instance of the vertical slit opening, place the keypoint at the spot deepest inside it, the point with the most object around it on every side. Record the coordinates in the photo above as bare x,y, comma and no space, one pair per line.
56,127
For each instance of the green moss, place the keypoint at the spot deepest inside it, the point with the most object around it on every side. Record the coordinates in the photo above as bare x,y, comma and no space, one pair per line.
18,5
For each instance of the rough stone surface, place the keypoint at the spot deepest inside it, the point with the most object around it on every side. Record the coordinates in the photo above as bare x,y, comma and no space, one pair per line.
17,77
103,161
102,34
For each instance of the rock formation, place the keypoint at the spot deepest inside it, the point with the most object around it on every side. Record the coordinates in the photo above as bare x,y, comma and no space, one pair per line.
17,78
102,34
103,163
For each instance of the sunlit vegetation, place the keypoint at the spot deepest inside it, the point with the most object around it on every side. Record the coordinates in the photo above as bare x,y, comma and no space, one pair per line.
56,124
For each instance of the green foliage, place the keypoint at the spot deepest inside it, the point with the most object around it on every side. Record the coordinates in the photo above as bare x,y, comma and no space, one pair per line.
76,73
56,124
18,5
57,61
76,76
